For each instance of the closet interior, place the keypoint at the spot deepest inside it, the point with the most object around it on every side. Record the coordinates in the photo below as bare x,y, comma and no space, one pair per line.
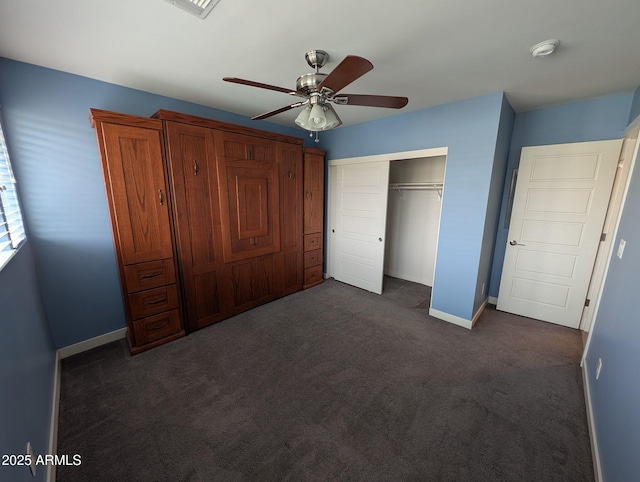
413,218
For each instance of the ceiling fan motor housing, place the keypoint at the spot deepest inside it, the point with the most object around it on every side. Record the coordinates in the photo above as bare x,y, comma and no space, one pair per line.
308,83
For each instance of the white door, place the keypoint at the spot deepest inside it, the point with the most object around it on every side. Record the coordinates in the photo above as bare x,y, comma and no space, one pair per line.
560,203
359,219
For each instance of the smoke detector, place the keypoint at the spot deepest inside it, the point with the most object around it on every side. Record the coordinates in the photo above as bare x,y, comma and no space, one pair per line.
544,49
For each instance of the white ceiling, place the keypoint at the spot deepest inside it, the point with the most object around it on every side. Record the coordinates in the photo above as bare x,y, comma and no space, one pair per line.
432,51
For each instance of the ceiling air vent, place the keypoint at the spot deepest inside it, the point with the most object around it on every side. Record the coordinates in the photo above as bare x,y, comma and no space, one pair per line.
199,8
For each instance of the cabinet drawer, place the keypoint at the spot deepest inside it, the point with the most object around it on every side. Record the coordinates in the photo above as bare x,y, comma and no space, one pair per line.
145,276
156,327
312,275
150,302
312,258
312,241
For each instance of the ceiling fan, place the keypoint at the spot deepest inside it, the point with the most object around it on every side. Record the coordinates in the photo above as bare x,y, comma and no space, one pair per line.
319,89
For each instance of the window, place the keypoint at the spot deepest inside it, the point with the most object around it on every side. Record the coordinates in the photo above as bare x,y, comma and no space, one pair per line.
11,227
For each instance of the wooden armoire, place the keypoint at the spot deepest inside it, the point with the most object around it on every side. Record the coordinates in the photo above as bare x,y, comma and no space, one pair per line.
209,219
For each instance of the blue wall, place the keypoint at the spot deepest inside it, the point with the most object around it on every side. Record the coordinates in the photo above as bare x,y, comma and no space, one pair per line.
615,338
470,131
27,359
56,163
503,144
635,106
596,120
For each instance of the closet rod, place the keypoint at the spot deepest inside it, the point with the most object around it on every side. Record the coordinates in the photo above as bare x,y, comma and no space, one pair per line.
417,185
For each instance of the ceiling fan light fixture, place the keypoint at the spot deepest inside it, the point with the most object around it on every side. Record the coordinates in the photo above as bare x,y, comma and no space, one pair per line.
303,117
317,118
332,118
544,49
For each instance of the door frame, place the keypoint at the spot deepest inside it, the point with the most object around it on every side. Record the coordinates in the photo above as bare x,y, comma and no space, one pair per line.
627,157
614,214
388,157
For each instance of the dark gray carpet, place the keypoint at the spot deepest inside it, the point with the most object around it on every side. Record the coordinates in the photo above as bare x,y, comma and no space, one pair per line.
333,384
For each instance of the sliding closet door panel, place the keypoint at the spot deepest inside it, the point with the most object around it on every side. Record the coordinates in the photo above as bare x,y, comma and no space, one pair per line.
359,224
195,187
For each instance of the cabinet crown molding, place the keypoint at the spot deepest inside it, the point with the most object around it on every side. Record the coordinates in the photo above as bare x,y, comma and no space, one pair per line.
167,115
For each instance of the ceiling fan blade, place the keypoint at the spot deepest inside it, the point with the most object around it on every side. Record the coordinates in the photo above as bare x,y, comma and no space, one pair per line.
251,83
278,111
347,71
387,101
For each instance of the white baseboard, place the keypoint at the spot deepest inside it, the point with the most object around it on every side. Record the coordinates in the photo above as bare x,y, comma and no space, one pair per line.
85,345
65,352
456,320
493,300
55,408
478,313
597,468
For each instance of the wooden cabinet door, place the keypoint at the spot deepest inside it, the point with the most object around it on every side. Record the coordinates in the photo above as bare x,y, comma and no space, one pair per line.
313,191
289,264
244,147
252,282
249,197
133,163
194,182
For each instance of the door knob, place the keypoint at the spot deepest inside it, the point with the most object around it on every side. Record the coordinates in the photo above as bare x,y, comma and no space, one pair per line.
515,243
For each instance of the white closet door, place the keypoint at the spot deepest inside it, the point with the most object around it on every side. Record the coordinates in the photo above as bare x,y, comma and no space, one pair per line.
359,192
559,207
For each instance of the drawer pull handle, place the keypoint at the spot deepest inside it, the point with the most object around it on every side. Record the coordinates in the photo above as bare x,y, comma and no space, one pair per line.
151,275
158,327
160,197
156,302
195,167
